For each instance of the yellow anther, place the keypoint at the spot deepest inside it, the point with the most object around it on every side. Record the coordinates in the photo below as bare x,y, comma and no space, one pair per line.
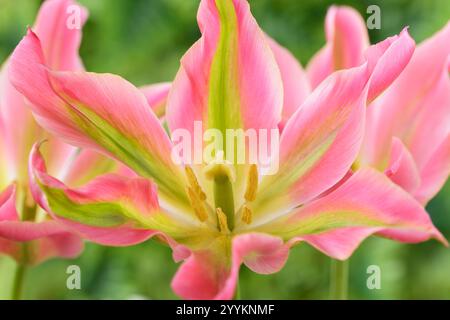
197,205
192,179
223,222
252,183
246,215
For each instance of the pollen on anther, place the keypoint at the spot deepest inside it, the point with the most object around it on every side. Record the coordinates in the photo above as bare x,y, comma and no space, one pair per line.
246,215
193,182
222,219
197,205
252,183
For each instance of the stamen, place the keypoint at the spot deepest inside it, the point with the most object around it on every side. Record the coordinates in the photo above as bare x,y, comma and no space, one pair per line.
246,215
252,183
193,182
223,222
197,205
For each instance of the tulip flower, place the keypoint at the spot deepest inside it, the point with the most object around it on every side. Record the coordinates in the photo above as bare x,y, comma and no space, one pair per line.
408,128
27,233
219,215
22,225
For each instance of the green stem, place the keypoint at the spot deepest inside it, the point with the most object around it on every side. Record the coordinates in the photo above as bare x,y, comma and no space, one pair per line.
223,197
16,293
339,280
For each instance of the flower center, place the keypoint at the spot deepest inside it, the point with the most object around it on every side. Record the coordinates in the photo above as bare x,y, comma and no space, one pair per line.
222,177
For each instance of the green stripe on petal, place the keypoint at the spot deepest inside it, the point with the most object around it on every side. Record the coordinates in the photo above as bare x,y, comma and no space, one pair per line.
271,185
110,214
224,110
367,200
322,222
92,214
130,152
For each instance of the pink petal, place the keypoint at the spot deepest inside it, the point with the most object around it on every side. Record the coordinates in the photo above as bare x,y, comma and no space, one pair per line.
320,66
156,95
16,138
337,185
296,85
338,243
416,108
110,210
63,245
60,42
321,140
204,275
86,164
253,99
347,39
435,172
28,74
117,102
261,253
387,60
198,279
368,202
100,111
44,239
8,204
402,168
318,144
334,110
60,45
3,167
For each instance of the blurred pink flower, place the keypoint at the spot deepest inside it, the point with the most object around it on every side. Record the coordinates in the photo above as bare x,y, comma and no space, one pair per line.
218,216
27,233
408,128
21,223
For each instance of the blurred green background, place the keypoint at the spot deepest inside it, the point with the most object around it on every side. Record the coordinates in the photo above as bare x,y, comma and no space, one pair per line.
143,40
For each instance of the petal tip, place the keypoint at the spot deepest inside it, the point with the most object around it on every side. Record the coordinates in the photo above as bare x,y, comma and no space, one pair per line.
440,237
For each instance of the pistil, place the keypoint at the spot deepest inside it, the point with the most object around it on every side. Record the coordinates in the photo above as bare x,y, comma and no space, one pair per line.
222,175
223,197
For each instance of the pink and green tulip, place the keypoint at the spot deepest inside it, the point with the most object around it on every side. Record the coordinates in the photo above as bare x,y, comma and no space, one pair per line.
217,217
27,233
22,224
407,129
